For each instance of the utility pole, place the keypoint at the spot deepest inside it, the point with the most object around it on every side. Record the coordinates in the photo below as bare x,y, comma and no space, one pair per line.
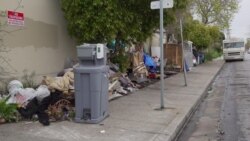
183,56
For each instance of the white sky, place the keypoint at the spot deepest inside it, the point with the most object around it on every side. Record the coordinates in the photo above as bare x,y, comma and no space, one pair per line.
240,26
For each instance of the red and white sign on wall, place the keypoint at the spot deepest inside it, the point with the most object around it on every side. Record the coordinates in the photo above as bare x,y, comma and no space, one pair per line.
15,18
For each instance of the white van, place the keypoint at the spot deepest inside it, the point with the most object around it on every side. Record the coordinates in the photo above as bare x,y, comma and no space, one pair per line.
234,49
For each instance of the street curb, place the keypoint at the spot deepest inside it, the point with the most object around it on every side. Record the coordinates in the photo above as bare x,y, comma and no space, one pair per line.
184,122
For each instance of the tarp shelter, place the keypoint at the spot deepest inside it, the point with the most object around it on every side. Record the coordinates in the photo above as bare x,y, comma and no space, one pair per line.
188,53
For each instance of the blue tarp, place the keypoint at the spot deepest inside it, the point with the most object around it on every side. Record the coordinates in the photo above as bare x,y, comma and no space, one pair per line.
149,61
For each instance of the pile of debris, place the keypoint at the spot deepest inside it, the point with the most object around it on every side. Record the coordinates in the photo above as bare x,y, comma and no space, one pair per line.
53,99
120,85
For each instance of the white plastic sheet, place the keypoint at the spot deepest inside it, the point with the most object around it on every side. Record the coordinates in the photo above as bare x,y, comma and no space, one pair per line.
42,92
21,96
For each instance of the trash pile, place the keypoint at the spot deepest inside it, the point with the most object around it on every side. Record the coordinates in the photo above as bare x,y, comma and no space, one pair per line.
120,85
144,70
53,99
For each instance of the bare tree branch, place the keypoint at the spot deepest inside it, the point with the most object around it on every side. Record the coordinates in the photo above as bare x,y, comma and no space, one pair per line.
19,5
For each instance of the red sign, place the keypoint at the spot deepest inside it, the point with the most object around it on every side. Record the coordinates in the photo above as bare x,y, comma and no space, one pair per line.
15,18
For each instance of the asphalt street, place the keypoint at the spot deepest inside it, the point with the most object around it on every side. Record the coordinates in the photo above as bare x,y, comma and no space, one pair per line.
225,111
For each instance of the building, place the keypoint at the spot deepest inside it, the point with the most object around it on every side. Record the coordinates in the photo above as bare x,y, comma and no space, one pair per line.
41,45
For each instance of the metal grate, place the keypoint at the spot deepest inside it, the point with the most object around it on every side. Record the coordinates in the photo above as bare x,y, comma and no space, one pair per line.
233,53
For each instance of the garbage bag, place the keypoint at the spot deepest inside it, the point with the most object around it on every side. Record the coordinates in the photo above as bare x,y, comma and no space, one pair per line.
33,107
41,92
14,86
22,96
19,95
149,61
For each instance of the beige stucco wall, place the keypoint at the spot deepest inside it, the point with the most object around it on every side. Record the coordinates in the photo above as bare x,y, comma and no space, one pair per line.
43,44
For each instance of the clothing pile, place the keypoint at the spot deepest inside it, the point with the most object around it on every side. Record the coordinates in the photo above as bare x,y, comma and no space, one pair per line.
29,100
39,101
65,83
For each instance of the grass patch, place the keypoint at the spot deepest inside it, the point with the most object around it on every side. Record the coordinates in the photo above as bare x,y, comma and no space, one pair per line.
212,54
8,112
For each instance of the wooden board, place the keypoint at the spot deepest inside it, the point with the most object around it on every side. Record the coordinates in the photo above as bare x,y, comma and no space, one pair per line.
173,54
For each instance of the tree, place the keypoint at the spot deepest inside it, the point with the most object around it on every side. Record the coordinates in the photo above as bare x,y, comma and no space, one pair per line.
218,12
214,32
248,43
104,20
197,33
204,37
130,21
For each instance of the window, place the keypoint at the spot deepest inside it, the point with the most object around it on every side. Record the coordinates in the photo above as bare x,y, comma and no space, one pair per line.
234,45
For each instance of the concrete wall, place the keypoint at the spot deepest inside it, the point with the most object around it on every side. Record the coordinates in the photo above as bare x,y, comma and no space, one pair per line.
42,44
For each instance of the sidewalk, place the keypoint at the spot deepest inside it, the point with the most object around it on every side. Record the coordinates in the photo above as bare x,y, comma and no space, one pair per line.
133,117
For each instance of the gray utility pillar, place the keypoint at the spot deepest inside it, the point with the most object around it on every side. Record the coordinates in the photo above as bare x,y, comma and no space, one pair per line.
91,84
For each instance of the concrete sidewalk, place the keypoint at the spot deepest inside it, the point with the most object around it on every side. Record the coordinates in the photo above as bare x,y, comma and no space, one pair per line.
133,117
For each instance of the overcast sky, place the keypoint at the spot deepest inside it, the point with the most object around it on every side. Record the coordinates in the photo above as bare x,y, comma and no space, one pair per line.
240,26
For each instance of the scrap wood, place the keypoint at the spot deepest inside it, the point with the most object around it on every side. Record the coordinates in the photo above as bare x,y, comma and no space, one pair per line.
117,74
137,58
118,88
140,70
112,85
126,81
114,96
113,67
112,79
121,91
177,66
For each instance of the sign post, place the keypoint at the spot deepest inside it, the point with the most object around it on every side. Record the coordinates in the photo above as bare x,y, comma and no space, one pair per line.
162,54
165,4
160,5
15,18
183,58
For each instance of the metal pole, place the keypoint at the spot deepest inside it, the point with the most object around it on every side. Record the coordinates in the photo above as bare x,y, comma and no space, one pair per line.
183,56
162,58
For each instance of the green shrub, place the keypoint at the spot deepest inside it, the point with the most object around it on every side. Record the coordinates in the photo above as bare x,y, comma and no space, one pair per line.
8,112
208,56
122,60
212,54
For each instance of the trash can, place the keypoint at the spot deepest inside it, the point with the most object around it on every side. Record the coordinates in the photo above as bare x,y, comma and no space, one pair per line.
91,84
